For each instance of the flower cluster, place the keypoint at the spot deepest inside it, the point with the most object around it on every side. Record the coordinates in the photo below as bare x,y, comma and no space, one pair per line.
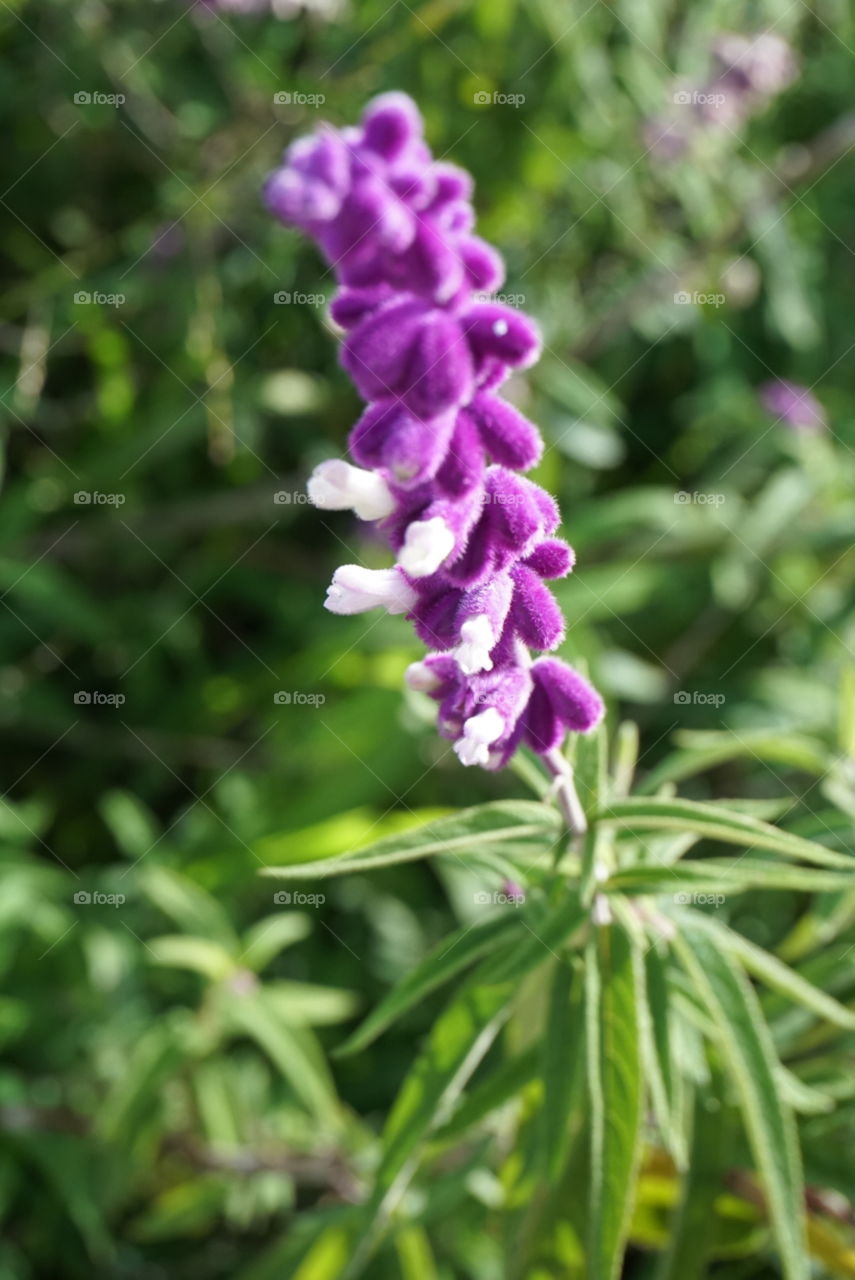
439,451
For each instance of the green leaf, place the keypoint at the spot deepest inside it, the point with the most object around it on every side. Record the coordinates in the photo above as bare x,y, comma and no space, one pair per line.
188,906
415,1256
592,780
693,1230
718,823
508,1079
521,828
704,750
615,1088
264,941
446,959
308,1004
723,875
291,1049
179,951
748,1052
561,1064
543,933
661,1069
774,972
460,1038
458,1041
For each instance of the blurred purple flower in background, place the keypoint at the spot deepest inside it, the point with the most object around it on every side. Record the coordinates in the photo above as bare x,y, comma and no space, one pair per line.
793,404
748,72
439,450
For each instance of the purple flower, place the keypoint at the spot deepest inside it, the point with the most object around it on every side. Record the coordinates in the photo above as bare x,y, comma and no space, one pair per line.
439,452
748,72
793,404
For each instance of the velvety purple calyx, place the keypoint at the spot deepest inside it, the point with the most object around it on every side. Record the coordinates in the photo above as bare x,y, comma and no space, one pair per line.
413,353
514,518
561,699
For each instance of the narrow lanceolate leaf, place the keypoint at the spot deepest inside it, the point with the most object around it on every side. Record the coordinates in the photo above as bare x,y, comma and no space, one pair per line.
518,828
718,823
725,875
452,955
775,973
660,1068
509,1079
591,782
561,1064
693,1232
291,1049
615,1089
541,936
748,1052
457,1043
703,750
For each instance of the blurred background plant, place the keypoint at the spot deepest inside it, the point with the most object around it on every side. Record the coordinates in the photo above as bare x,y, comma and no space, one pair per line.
178,710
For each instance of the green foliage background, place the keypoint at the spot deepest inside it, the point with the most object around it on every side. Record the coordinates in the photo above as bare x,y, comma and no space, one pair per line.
168,1103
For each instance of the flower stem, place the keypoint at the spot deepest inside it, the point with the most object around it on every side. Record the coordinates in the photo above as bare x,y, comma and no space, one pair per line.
564,787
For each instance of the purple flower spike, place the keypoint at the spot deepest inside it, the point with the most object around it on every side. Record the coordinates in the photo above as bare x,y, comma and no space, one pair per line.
439,452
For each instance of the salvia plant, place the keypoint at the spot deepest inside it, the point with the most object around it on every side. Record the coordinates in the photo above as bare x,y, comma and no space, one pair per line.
656,1038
